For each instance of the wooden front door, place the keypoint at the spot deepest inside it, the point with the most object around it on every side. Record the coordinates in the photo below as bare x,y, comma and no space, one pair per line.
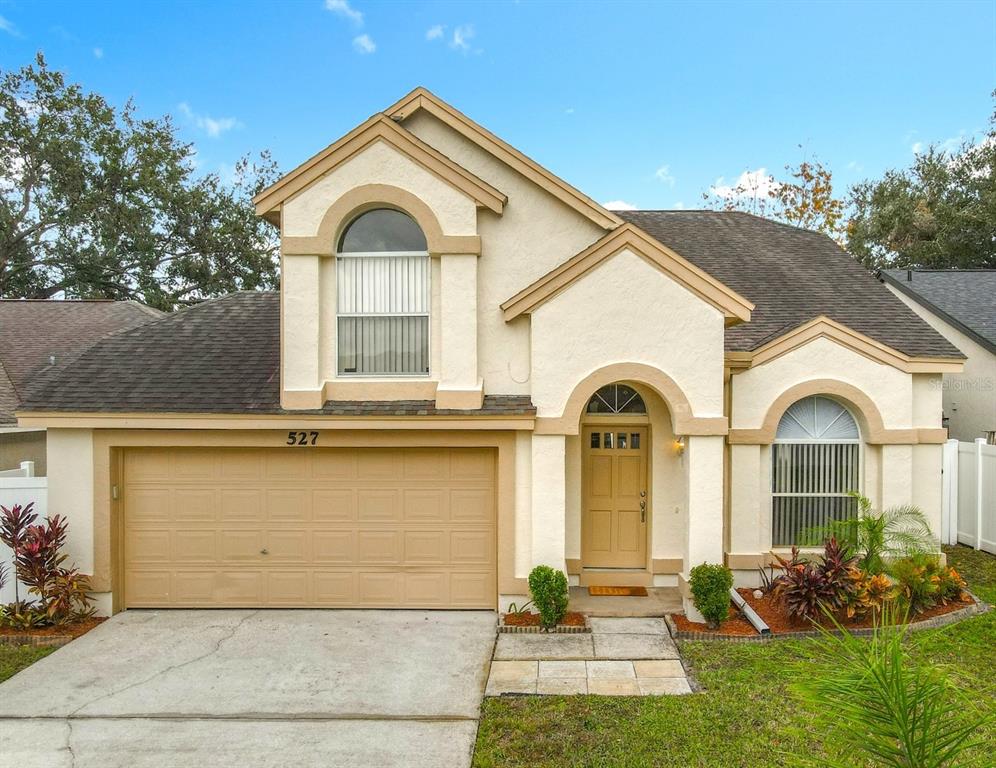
614,496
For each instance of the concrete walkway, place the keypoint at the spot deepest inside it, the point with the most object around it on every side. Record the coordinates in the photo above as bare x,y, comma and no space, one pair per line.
248,689
620,657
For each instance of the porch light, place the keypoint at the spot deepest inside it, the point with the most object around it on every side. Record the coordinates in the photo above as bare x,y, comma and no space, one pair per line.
679,445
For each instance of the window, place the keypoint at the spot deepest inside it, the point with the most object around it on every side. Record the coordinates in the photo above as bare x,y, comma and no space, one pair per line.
616,398
815,461
382,296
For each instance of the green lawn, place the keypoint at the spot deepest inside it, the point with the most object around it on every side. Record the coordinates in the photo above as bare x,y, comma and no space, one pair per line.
746,716
15,658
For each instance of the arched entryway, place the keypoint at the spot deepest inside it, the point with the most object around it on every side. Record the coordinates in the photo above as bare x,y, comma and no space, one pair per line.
615,479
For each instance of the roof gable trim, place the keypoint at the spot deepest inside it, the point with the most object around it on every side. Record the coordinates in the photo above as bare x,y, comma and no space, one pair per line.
421,99
735,308
377,128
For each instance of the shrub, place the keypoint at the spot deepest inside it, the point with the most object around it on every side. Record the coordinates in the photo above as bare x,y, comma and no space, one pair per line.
14,523
710,585
917,588
550,594
870,593
951,587
875,704
806,589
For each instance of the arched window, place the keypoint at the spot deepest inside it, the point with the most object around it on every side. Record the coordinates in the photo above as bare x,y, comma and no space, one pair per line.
815,461
616,398
382,296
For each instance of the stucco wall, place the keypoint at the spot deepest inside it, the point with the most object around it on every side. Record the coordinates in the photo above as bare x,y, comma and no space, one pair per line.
969,397
627,311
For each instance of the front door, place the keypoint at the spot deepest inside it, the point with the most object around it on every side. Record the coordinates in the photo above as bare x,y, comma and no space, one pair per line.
614,497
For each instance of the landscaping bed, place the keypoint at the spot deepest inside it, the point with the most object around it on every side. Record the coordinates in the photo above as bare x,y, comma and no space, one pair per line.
736,627
52,636
572,622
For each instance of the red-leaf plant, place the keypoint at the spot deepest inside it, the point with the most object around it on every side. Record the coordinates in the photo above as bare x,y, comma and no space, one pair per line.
805,588
14,523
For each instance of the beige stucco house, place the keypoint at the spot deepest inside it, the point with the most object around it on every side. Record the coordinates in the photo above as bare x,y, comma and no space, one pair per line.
472,368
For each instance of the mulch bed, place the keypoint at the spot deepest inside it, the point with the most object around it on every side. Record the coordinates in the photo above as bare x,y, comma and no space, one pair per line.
572,619
48,635
775,617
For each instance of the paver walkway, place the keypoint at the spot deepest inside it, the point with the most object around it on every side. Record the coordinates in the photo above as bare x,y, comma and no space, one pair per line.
620,657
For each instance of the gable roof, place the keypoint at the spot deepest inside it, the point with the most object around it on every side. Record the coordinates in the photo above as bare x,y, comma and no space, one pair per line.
734,307
38,336
421,99
965,298
377,128
792,276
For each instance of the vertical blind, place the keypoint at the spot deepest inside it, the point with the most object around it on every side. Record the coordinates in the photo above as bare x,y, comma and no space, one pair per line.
383,313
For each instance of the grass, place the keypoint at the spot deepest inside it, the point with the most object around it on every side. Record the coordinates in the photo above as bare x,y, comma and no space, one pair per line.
14,658
746,716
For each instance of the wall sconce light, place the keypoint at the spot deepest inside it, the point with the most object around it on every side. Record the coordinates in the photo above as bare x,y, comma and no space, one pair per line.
679,445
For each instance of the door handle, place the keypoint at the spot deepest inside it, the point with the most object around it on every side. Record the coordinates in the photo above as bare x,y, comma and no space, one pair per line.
643,511
264,551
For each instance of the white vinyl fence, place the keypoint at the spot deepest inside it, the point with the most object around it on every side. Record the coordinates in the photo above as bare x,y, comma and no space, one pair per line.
969,515
20,486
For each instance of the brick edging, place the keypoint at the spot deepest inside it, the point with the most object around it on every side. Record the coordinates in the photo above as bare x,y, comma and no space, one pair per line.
977,608
560,629
48,641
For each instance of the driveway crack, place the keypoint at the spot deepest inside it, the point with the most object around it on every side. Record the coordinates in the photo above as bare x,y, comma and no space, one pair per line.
171,668
69,744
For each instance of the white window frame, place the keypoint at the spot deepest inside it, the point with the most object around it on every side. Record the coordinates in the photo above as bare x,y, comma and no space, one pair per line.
427,314
858,441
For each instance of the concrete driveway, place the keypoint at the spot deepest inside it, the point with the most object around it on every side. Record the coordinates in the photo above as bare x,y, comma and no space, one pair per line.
252,689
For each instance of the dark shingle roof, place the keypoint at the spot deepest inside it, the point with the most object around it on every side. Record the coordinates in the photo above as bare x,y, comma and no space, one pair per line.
966,298
792,275
221,356
39,336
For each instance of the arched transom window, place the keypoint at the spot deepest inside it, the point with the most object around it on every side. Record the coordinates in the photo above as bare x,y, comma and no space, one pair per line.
616,398
816,461
382,296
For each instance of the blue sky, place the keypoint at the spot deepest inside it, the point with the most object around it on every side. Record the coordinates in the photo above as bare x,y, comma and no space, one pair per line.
650,104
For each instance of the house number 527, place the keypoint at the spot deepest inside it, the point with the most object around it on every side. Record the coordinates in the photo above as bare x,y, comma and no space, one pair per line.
302,438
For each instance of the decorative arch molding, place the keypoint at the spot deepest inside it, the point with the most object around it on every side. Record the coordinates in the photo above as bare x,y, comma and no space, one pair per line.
861,406
369,196
683,420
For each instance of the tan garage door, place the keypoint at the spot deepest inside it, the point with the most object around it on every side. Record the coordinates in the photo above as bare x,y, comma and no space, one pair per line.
309,527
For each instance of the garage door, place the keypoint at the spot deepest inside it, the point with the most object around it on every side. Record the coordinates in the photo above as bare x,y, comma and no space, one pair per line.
398,528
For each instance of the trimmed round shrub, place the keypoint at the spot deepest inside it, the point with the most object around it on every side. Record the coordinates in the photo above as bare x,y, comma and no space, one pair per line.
548,588
710,585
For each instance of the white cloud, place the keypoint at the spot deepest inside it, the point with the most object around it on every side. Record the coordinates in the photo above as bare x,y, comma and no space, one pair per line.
344,9
917,147
619,205
950,145
748,184
664,174
679,206
212,126
569,111
363,44
462,36
98,53
435,32
8,26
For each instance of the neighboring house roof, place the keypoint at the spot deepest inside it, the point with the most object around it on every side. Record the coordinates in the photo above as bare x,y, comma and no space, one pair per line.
792,276
965,298
220,356
39,336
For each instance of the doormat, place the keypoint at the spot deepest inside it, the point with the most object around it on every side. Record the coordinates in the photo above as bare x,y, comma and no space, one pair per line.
617,591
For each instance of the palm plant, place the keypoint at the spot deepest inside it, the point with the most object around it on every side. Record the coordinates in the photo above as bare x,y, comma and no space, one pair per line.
876,536
873,701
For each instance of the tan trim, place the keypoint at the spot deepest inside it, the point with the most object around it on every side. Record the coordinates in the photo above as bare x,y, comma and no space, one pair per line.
615,578
748,562
460,399
682,419
379,389
735,308
105,443
309,421
301,399
862,407
823,327
365,198
422,99
378,128
573,566
932,436
683,588
667,565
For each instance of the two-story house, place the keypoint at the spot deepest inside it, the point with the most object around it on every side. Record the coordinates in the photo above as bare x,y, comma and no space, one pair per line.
472,368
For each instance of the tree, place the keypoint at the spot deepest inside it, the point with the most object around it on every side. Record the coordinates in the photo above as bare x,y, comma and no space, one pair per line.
939,213
99,203
805,199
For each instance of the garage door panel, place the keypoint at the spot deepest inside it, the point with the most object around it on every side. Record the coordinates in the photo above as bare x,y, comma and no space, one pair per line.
302,526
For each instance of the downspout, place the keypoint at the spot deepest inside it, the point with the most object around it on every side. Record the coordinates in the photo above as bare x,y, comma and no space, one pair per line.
749,613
